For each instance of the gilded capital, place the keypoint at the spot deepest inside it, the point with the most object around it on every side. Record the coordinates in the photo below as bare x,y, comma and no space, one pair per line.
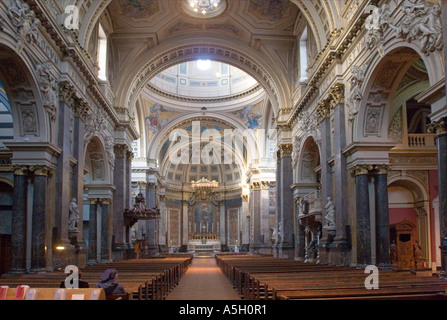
20,170
381,169
337,95
40,170
285,150
438,127
323,111
105,201
362,169
92,201
120,150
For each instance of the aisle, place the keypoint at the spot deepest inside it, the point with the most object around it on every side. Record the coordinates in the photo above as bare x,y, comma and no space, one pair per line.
203,281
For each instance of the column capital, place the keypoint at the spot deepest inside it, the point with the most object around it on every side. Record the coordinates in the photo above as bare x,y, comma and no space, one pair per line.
381,169
142,185
105,201
244,197
40,170
130,155
120,150
438,127
323,111
285,150
20,170
337,95
362,169
92,201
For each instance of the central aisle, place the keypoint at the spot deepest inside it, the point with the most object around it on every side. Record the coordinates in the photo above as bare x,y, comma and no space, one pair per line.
203,281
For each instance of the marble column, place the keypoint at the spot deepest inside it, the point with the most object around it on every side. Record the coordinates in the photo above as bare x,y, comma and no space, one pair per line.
245,222
326,180
63,173
382,216
38,259
300,240
162,240
93,232
440,128
105,233
362,215
278,204
255,217
119,197
286,245
185,229
18,235
78,169
340,176
152,225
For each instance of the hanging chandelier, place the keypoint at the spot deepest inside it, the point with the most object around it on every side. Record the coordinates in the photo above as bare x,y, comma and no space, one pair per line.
204,6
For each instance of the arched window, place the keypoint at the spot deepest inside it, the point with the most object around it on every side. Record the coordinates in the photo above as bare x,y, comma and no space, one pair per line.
303,56
102,54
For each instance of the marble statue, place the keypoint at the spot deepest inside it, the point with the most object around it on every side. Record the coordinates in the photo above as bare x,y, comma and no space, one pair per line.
330,215
74,216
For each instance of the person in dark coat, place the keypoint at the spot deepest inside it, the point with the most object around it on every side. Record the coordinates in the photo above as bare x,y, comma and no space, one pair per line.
110,283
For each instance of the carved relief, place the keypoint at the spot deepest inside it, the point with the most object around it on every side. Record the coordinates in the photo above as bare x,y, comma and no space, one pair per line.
355,96
28,116
296,150
109,145
373,119
376,24
395,130
421,21
95,125
25,20
48,88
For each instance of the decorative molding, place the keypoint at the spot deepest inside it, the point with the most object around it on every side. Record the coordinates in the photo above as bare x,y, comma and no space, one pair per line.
40,170
362,169
20,170
381,169
285,150
438,127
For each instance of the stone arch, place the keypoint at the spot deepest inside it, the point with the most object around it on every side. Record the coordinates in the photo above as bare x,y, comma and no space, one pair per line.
382,80
157,142
420,209
176,51
308,160
31,120
96,162
315,21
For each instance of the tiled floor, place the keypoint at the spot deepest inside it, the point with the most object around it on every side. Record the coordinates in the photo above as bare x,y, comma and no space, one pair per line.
203,281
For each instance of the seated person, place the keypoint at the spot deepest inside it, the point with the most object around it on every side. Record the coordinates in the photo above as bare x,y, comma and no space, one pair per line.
82,284
109,283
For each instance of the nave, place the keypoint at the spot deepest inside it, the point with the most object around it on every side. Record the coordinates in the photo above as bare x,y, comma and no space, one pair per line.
242,277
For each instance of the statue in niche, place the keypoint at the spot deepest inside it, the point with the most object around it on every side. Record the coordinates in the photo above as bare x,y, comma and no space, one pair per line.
330,215
74,216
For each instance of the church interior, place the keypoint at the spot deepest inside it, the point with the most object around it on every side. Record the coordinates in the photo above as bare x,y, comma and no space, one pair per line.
158,136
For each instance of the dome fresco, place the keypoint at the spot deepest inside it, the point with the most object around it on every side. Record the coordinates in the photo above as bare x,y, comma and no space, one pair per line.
203,79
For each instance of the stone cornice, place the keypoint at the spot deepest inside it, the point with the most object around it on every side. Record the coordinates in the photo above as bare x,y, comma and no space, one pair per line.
71,48
338,44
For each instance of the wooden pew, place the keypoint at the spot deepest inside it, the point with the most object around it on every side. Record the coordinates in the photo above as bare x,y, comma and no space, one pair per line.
49,293
258,277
